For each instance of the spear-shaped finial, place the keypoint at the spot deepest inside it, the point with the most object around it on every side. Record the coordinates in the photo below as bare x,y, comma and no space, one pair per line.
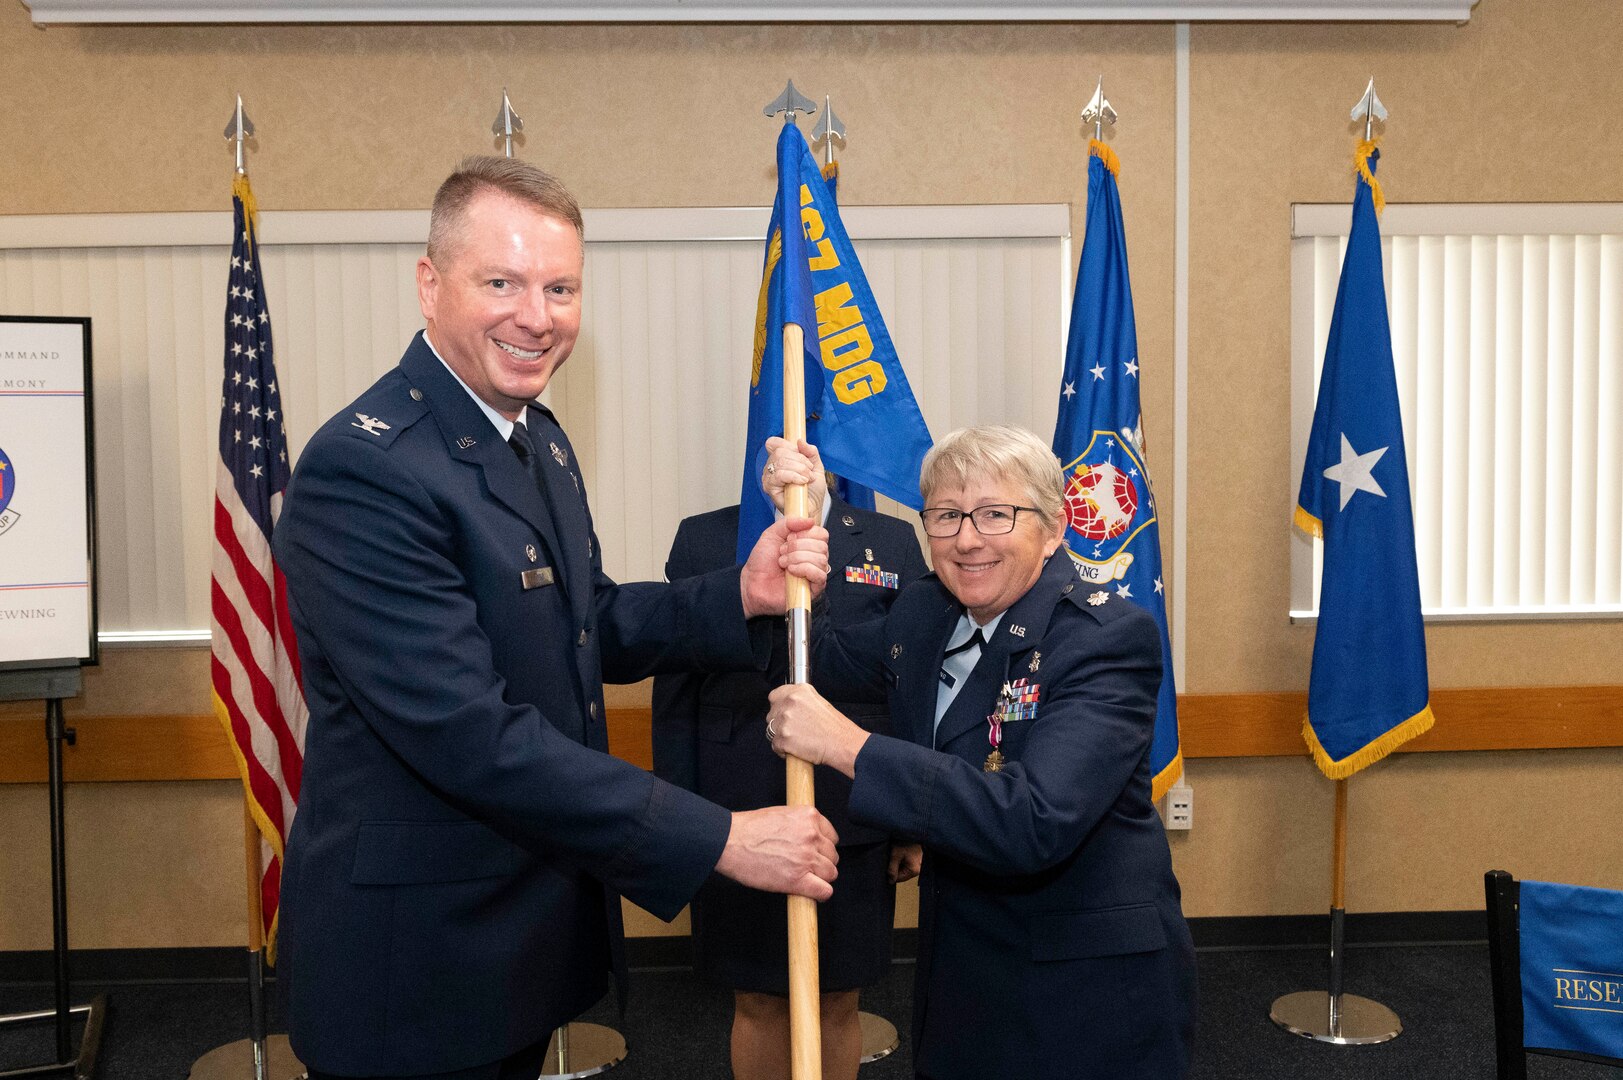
507,123
238,130
1369,109
827,130
1098,111
790,102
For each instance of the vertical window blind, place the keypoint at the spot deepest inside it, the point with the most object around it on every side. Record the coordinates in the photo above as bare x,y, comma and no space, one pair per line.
1507,335
653,397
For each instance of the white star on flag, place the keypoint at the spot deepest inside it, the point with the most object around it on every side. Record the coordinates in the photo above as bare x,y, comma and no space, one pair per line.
1353,472
1069,391
1132,367
1097,371
1158,587
1123,591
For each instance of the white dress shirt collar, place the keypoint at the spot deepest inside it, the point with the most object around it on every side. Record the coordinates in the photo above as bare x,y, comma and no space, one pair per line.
503,424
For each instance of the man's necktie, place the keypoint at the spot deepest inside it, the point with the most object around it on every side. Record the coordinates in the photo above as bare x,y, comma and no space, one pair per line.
525,449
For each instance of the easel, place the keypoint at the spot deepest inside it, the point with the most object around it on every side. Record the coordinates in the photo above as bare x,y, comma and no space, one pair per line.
52,685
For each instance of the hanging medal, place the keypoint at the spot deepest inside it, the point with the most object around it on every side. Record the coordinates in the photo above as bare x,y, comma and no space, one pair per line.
994,729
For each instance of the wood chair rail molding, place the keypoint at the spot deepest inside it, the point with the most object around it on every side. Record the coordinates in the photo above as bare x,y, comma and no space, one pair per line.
193,747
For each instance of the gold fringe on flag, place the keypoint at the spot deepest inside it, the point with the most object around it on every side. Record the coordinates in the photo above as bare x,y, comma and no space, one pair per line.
1375,750
1163,780
830,171
250,209
262,819
1105,154
1309,524
1366,147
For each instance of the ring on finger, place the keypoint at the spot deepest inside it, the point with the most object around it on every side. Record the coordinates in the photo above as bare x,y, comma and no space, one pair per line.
771,468
771,732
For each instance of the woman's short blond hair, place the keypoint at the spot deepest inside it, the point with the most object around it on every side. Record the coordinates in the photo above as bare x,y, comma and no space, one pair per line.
997,452
514,178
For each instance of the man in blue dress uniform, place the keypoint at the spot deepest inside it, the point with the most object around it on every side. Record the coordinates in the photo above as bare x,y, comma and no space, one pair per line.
451,891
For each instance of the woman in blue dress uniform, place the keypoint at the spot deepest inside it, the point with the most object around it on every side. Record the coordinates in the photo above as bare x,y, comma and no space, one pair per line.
1052,945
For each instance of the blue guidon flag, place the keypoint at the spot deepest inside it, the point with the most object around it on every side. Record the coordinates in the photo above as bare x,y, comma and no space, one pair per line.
860,411
1112,534
1368,693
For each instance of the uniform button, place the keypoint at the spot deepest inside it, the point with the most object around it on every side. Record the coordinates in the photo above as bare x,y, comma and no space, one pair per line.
416,394
582,637
593,710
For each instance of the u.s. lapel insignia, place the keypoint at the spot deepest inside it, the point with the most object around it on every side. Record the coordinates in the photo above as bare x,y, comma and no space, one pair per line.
1018,631
529,551
1098,598
369,424
558,455
1036,661
896,651
465,442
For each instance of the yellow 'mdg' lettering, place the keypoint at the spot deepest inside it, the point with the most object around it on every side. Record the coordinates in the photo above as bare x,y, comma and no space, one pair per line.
860,381
846,345
812,222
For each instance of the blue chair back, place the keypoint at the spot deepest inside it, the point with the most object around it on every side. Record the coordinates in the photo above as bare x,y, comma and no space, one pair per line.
1556,952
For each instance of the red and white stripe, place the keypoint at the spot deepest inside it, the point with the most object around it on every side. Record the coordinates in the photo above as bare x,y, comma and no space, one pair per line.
255,674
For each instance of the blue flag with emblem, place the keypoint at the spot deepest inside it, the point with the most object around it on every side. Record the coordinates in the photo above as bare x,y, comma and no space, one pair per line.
1572,968
1368,692
860,411
1112,533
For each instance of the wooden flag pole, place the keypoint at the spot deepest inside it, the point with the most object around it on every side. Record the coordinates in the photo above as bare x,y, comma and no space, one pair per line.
805,1030
1330,1015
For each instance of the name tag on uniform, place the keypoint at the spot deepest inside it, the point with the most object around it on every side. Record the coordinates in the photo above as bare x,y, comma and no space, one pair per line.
534,579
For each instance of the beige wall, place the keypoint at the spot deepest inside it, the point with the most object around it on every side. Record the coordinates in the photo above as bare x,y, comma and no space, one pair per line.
1517,104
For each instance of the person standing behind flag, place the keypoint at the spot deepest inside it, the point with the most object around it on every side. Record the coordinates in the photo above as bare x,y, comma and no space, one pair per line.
709,737
451,888
1052,942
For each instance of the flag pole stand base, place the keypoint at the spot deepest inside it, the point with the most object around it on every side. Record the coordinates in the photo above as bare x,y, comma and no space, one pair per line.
81,1067
1358,1021
879,1038
235,1061
580,1050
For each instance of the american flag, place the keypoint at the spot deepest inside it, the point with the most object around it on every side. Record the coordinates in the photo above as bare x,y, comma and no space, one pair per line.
255,668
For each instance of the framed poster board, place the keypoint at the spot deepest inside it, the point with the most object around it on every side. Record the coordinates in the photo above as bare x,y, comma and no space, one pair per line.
47,494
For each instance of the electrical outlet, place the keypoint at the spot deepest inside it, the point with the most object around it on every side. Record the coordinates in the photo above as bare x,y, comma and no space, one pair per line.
1180,807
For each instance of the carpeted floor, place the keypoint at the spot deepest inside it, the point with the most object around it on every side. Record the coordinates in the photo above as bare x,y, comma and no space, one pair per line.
676,1026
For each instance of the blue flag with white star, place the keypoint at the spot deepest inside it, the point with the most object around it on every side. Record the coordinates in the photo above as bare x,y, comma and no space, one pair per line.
1112,532
1368,692
860,411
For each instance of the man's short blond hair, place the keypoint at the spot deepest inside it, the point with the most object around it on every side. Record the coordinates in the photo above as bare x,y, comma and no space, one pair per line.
511,177
997,452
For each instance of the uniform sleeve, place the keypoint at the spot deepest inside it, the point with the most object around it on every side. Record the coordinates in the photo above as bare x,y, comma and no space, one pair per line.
676,696
371,563
1093,730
